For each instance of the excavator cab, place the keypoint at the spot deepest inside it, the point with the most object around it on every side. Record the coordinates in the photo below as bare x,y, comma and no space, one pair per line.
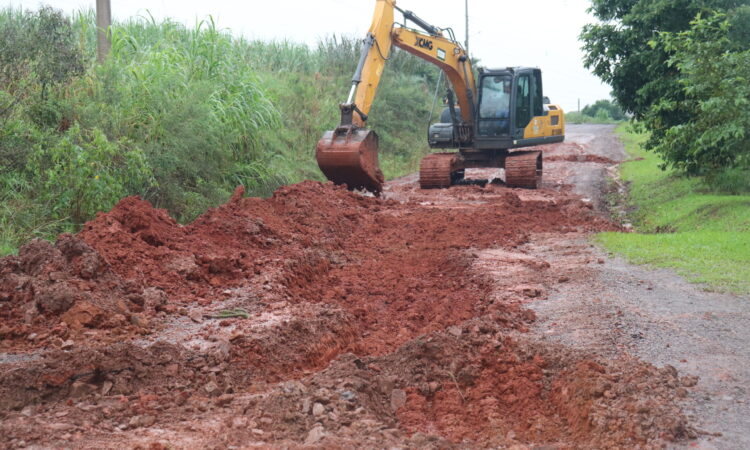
510,113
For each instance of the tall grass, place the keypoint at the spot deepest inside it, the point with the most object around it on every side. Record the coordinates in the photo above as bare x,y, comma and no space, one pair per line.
181,115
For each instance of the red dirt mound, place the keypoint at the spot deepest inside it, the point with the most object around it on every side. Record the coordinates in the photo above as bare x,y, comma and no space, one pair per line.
307,276
49,291
227,245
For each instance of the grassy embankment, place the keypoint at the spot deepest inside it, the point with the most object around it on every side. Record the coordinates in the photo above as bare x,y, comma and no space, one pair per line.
682,224
178,115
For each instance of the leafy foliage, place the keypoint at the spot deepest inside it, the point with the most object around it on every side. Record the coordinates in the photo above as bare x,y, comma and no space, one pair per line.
630,49
715,79
179,115
604,109
617,48
41,45
82,174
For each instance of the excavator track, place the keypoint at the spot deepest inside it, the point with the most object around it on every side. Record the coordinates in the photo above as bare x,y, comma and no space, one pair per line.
524,169
440,170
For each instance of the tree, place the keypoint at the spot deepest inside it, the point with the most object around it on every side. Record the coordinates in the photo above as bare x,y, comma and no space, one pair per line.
713,61
612,110
620,51
40,43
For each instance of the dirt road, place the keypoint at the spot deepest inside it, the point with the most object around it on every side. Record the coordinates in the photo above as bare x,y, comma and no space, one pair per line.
478,316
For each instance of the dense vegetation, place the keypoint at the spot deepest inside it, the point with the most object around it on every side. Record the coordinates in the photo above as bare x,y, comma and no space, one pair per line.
682,69
177,115
602,112
700,231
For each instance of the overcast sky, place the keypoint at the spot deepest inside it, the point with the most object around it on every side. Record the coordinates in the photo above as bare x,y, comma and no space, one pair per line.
541,33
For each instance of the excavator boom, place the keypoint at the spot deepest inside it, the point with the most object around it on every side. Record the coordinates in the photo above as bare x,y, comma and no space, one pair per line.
349,154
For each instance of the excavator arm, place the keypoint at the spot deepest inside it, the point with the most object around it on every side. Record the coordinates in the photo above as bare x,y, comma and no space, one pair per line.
349,154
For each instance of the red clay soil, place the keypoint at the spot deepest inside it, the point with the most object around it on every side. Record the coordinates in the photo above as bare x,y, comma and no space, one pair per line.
581,158
128,307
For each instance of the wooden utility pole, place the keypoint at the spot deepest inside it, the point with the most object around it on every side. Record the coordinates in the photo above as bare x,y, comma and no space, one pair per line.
103,22
466,3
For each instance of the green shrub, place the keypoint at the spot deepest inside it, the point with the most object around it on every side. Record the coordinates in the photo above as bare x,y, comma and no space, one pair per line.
39,46
179,115
714,71
604,109
85,173
735,181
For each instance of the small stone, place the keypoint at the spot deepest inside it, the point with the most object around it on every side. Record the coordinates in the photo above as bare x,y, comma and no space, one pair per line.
80,389
60,427
67,345
305,405
609,394
212,389
563,279
398,399
318,409
348,396
257,431
315,435
106,387
454,330
147,421
239,422
196,316
689,380
32,336
224,399
139,320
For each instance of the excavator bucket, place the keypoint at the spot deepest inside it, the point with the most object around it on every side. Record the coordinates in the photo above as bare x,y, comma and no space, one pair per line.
349,155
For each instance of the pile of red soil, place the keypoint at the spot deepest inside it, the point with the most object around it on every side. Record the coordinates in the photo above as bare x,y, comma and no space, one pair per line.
384,262
395,284
49,291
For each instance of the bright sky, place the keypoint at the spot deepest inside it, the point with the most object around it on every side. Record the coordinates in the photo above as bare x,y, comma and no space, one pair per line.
540,33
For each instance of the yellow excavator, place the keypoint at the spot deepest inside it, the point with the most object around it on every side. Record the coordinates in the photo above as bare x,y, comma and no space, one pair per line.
504,109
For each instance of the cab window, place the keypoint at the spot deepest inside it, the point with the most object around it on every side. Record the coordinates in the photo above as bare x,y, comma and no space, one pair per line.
523,101
495,101
495,105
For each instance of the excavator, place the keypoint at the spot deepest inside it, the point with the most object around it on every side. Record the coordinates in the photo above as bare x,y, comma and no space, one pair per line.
504,109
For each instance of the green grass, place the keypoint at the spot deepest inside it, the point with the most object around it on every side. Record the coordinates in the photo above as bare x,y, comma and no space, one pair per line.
178,115
682,223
